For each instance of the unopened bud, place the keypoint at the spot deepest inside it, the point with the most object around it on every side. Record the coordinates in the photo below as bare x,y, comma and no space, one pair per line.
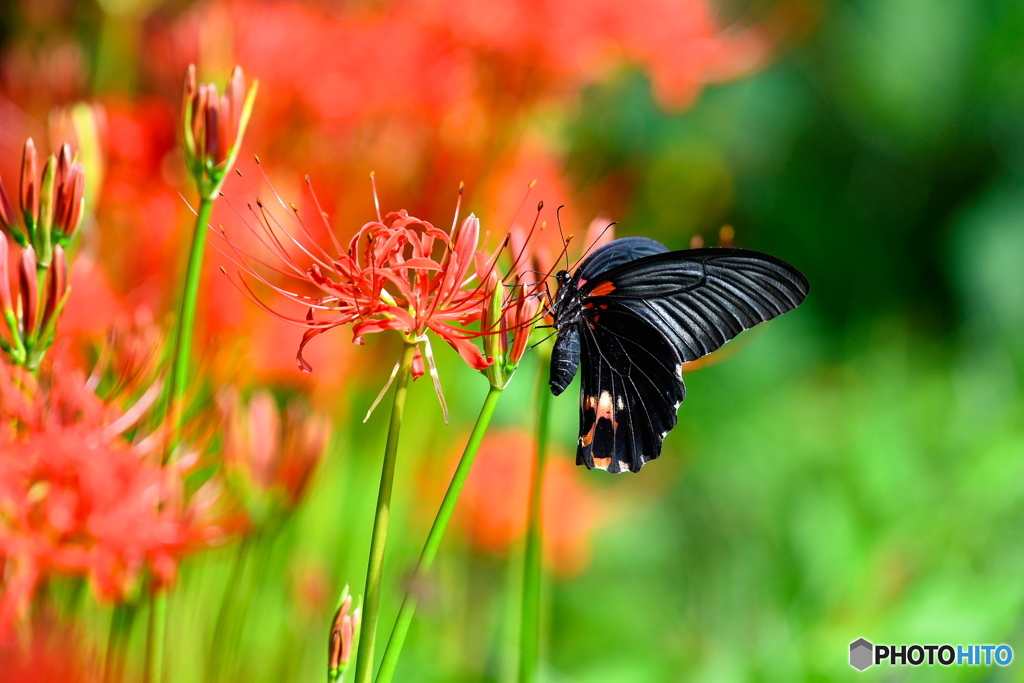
6,303
28,291
344,631
29,184
213,126
42,235
7,219
56,287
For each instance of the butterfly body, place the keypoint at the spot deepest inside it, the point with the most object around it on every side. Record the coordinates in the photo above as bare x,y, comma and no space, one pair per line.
632,314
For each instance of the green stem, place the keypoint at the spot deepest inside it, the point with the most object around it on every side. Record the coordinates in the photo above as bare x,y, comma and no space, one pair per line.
187,319
444,514
529,643
375,564
156,627
117,641
157,622
225,633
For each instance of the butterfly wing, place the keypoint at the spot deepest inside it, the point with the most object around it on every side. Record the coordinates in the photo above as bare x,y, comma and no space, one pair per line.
643,319
616,253
631,387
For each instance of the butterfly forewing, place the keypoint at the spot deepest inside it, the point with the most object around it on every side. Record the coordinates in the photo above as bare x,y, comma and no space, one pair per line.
640,312
702,298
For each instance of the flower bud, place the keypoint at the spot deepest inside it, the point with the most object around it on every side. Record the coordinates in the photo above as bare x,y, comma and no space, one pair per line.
8,221
213,127
6,303
42,235
69,199
56,289
29,186
344,631
270,455
28,291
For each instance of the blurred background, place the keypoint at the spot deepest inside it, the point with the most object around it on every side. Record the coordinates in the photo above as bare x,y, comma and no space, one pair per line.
854,469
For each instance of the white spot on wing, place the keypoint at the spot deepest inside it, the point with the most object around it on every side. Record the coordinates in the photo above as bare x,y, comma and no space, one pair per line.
623,465
605,405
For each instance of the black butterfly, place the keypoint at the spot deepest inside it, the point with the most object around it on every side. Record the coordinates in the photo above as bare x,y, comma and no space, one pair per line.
634,312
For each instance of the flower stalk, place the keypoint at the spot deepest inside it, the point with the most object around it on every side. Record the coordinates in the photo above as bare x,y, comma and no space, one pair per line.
213,127
186,319
433,542
529,644
378,539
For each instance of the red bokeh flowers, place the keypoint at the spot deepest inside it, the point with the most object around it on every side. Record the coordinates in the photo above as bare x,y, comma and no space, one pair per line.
270,454
78,498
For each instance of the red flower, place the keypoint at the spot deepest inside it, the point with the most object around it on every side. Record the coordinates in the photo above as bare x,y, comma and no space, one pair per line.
270,455
76,497
398,273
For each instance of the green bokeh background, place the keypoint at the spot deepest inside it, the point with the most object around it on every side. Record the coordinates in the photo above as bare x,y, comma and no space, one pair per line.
857,469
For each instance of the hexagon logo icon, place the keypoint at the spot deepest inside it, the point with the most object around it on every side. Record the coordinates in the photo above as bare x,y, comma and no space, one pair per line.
861,651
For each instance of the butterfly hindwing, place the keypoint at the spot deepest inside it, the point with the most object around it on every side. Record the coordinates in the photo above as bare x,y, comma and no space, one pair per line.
631,387
633,313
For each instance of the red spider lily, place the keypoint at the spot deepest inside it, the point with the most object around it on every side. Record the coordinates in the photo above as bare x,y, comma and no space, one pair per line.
398,273
31,315
51,206
77,497
270,455
213,128
54,652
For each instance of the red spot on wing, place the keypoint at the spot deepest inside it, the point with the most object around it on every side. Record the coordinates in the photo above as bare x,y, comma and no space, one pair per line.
603,289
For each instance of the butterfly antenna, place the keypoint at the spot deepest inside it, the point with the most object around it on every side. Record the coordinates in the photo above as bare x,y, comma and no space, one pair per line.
533,346
596,240
565,250
565,243
526,242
